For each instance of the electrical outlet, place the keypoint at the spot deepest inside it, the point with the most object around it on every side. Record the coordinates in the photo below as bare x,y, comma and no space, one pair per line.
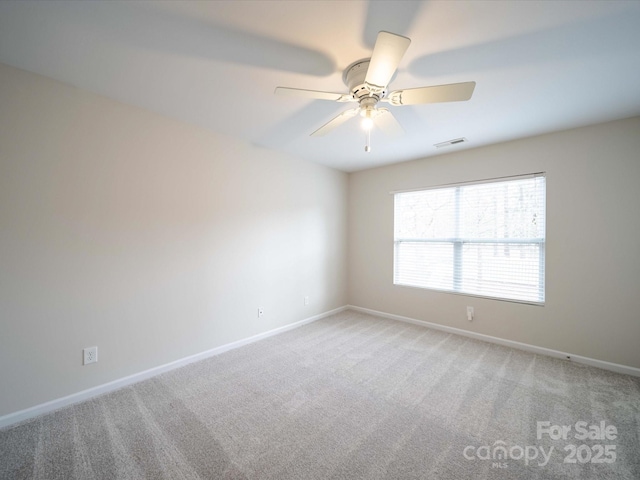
89,355
260,312
470,313
306,300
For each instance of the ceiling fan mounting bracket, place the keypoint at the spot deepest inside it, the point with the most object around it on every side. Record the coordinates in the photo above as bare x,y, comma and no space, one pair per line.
354,78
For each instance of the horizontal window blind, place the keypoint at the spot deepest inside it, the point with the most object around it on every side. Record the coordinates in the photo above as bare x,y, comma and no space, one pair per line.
485,239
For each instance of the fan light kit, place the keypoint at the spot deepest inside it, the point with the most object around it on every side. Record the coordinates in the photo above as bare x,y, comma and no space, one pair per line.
368,82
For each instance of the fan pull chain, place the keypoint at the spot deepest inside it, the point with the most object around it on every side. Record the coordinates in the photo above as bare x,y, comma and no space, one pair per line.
367,147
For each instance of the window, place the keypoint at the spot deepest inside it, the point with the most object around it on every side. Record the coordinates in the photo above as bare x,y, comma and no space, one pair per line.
483,238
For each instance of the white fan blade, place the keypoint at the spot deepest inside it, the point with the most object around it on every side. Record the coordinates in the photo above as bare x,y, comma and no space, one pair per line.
387,53
455,92
335,122
318,95
385,121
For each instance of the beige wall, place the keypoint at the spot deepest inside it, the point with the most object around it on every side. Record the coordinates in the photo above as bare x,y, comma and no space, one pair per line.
593,241
152,239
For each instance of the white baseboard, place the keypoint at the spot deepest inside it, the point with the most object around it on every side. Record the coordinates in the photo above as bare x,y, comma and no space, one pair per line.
614,367
22,415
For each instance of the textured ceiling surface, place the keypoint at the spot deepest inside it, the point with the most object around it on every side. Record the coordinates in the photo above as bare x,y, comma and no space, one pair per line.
540,66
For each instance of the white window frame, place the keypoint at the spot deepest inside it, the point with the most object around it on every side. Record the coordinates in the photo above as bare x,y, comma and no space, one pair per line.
458,243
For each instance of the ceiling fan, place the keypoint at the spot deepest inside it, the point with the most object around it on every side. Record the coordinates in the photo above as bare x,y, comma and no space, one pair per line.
368,81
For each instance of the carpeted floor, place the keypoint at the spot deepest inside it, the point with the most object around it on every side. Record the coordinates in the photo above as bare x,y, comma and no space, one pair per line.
348,397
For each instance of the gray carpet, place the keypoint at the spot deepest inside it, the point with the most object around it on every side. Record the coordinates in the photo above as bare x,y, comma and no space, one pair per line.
348,397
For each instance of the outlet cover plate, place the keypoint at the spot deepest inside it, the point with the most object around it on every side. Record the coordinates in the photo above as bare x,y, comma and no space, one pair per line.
89,355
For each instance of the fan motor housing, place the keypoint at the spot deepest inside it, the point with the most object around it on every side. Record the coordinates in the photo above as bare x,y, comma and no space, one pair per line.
353,78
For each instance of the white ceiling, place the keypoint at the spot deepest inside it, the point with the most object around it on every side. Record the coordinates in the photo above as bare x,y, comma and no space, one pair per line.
540,66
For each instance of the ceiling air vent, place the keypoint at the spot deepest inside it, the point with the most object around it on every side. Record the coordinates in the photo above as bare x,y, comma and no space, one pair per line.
448,143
